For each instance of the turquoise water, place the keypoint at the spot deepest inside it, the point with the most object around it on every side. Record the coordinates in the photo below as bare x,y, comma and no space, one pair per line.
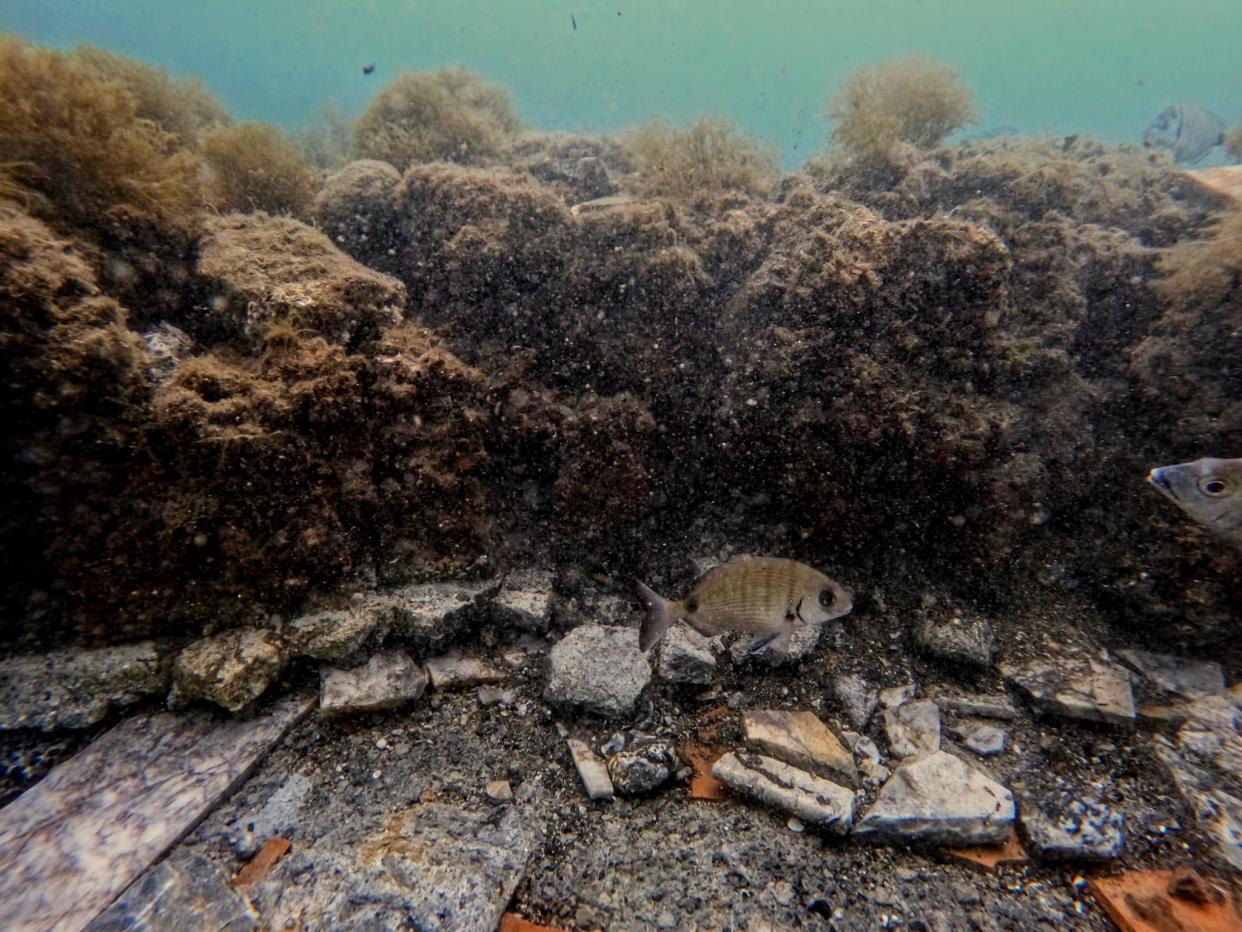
1105,67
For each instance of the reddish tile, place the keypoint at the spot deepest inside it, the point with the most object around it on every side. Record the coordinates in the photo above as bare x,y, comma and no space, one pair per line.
1139,901
701,757
514,922
989,857
261,864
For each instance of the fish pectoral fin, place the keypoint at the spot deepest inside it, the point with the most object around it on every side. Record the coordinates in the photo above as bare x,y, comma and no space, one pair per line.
762,641
778,640
708,631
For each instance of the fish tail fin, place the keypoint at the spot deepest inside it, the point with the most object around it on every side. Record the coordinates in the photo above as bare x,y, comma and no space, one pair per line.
660,615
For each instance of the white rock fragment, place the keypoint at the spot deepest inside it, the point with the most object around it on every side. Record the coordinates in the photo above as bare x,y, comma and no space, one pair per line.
331,635
913,728
984,740
597,669
386,681
982,706
940,799
591,769
800,739
453,671
1074,686
856,698
811,799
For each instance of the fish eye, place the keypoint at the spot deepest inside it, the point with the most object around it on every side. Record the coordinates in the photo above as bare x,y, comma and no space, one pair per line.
827,598
1215,486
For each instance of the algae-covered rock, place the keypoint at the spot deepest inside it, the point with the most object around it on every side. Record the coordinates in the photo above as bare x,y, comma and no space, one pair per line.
356,209
230,669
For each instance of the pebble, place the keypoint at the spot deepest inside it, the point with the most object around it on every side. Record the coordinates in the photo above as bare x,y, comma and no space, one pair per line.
642,769
333,635
231,669
982,706
896,695
591,770
1067,825
984,740
499,791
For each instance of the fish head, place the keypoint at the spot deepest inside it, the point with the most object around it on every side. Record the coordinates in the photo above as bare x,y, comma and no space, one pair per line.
1165,129
1209,490
827,601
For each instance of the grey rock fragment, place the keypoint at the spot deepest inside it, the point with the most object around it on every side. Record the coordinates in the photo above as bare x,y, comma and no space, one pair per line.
894,696
597,669
802,740
1074,686
184,891
1066,826
868,756
811,799
642,769
1190,678
428,617
525,602
231,669
591,770
386,681
1217,811
940,799
76,688
913,728
856,699
686,657
453,671
330,635
980,706
984,740
168,345
801,643
958,638
277,817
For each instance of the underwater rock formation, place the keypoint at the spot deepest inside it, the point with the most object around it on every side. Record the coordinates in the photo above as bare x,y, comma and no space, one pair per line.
256,166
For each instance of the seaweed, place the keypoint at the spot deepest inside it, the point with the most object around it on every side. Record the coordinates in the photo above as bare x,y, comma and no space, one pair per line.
327,141
183,107
84,147
713,155
256,166
449,115
912,100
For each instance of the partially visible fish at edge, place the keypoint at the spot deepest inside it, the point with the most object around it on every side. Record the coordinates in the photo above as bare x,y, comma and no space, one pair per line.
767,597
1209,490
1186,129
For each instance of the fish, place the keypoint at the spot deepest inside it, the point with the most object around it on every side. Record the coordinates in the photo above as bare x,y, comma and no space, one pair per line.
367,69
1187,130
1209,490
767,597
573,21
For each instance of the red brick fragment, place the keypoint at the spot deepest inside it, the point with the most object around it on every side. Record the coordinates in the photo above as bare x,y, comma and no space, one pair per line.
262,863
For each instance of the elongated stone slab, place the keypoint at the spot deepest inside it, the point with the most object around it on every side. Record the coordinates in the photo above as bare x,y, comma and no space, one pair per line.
812,799
73,842
184,891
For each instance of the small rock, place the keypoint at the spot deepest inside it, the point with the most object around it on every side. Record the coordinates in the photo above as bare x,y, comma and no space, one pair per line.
958,638
812,799
386,681
997,706
913,728
330,635
642,769
598,669
454,671
795,825
940,799
525,602
984,740
800,739
801,643
231,669
615,743
686,657
591,770
428,617
492,695
1190,678
1067,827
76,688
897,695
499,791
1074,686
856,698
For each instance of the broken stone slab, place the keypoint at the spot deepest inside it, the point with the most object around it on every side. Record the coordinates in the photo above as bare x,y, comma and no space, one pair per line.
800,739
913,728
1218,811
1068,826
594,775
856,699
428,617
980,706
525,602
959,638
939,799
812,799
1075,687
453,671
73,842
278,816
432,866
184,891
332,635
1212,733
1190,678
642,769
231,669
686,657
77,688
801,643
597,669
984,740
386,681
